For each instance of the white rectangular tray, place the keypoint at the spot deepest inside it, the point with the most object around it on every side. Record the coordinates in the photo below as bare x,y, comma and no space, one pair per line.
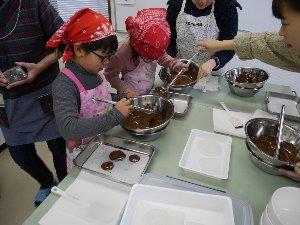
207,153
150,205
107,200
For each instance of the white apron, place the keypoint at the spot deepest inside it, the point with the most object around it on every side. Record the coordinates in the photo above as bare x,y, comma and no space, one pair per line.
190,30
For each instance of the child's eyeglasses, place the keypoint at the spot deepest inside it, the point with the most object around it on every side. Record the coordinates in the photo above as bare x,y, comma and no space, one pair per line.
102,57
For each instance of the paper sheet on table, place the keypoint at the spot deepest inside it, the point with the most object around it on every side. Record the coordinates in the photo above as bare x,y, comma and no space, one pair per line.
105,198
222,124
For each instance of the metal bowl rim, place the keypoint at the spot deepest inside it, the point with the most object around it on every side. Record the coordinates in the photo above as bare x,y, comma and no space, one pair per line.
237,68
181,85
262,152
152,129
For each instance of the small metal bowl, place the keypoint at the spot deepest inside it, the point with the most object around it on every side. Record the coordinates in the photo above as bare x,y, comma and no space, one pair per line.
267,127
242,91
160,105
193,68
245,89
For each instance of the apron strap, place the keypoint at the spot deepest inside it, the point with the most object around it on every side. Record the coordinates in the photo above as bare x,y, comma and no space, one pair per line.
182,6
212,9
73,78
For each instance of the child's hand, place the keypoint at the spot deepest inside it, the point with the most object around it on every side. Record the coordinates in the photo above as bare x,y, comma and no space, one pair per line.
177,65
130,93
295,175
124,106
206,68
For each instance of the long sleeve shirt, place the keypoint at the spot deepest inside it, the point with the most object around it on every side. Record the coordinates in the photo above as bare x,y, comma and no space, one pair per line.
267,47
66,105
226,16
123,63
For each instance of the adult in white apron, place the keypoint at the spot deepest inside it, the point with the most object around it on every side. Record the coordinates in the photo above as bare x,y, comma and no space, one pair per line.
190,30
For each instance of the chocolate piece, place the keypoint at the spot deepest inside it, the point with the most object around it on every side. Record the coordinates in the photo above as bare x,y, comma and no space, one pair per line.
287,153
134,158
117,155
251,77
139,119
107,165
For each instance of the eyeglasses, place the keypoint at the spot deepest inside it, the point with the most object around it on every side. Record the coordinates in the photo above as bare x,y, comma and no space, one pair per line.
102,57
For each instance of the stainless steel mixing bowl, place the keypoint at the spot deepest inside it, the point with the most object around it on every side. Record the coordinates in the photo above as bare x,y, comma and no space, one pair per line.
180,88
245,89
267,127
159,105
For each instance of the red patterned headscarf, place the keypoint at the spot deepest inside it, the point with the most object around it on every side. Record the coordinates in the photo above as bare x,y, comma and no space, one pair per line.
84,26
149,32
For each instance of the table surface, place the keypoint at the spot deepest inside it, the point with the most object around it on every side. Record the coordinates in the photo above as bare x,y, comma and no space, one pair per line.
245,180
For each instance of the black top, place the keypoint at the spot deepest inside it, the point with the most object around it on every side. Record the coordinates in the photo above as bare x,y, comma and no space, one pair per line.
226,16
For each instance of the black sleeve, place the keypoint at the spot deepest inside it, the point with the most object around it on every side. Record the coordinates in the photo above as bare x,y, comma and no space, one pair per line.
173,10
227,22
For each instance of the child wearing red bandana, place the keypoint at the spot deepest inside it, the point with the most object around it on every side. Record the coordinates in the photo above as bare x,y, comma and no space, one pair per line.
137,56
89,42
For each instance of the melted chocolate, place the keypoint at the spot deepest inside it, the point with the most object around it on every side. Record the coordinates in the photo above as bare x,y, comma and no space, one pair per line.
139,119
187,77
134,158
287,153
250,77
162,92
117,155
107,165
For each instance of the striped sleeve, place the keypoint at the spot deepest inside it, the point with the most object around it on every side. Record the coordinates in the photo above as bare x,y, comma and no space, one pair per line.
49,18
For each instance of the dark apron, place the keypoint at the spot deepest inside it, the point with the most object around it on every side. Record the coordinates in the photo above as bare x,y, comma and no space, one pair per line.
28,123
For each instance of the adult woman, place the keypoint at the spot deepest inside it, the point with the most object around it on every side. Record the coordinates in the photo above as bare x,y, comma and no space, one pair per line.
193,20
281,50
25,26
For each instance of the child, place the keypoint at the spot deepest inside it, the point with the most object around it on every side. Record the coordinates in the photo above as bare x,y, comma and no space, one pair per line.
138,55
89,42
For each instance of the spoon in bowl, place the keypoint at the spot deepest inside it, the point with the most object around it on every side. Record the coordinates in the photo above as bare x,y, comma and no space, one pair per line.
164,91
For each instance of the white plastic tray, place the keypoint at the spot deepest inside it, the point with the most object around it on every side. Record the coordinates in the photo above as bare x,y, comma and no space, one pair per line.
207,153
150,205
107,200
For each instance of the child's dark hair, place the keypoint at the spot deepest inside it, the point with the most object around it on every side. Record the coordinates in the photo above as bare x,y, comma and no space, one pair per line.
277,6
107,45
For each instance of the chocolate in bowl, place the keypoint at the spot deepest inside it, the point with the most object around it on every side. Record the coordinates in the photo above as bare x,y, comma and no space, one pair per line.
250,77
186,78
288,152
139,119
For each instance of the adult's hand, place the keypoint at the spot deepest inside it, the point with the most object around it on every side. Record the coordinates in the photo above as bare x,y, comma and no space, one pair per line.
206,68
33,70
3,81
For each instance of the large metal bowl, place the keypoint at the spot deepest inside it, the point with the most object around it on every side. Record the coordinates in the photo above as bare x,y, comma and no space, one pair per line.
180,88
258,127
245,89
261,164
260,74
160,105
147,137
242,91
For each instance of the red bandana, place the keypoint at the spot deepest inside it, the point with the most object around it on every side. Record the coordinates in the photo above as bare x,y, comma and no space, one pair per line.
149,32
84,26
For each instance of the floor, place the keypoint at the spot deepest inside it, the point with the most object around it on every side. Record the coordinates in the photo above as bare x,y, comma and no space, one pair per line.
17,188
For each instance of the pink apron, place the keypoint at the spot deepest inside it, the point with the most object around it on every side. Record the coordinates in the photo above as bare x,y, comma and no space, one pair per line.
141,79
88,108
